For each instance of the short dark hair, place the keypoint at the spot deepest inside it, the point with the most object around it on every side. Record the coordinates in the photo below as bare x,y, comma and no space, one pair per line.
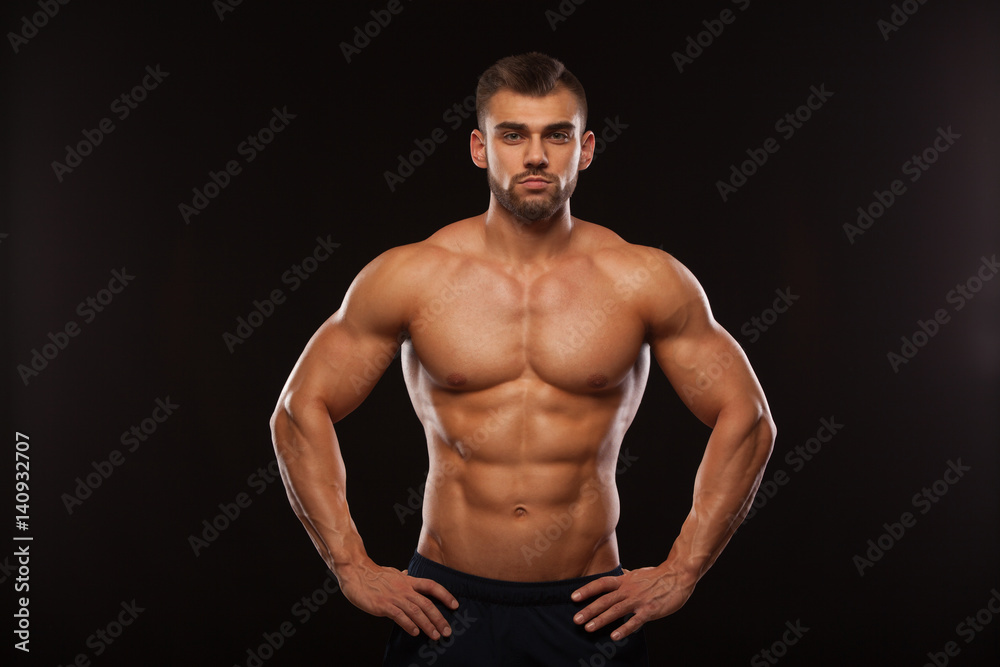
534,74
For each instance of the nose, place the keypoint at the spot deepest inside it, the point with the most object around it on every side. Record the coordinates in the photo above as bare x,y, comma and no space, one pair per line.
534,153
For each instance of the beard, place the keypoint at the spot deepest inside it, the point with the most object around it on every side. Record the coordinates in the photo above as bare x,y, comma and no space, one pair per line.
535,207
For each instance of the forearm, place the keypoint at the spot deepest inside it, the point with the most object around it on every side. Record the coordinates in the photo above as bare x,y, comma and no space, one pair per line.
727,480
313,472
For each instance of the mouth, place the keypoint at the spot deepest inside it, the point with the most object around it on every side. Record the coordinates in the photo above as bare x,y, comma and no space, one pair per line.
534,182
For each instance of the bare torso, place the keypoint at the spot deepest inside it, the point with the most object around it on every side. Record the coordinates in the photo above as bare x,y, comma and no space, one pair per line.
526,340
525,378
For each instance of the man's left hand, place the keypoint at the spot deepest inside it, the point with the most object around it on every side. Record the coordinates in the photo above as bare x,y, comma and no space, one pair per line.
648,593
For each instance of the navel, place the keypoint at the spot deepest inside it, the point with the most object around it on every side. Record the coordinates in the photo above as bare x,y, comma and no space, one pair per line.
597,380
456,379
520,512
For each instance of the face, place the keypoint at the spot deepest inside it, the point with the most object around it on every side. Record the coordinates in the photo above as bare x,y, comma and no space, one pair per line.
533,150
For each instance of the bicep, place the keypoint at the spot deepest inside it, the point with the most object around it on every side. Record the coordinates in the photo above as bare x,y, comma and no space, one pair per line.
347,355
339,367
704,364
709,371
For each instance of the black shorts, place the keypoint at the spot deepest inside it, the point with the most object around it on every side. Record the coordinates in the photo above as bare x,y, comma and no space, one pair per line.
510,623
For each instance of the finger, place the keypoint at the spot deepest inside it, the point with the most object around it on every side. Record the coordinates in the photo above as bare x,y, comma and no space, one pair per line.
596,587
597,607
627,628
431,587
403,621
613,613
420,617
433,614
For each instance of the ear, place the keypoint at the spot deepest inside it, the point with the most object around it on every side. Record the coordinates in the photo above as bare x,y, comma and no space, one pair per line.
477,147
587,145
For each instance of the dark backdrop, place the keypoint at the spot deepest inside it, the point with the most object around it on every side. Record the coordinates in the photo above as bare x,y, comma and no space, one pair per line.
114,536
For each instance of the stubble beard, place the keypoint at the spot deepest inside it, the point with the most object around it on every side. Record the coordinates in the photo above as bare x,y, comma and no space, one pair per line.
533,208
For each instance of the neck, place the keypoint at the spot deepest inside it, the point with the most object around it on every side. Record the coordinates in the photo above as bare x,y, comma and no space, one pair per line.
526,241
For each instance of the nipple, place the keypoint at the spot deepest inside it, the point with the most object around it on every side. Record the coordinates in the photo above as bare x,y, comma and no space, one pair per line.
597,380
456,379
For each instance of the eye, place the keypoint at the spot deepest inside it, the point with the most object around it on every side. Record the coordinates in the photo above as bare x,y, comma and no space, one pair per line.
560,137
511,136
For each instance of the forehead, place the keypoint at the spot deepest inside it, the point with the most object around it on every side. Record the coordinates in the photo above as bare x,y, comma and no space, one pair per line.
559,106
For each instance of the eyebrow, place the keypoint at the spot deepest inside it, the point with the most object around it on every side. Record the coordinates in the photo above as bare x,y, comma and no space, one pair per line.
521,127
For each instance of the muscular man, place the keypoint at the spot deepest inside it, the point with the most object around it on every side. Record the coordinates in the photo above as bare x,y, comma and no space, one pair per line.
526,336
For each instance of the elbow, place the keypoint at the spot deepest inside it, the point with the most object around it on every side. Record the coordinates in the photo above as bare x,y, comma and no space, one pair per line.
752,418
765,432
754,423
290,408
279,423
299,422
283,426
765,423
279,417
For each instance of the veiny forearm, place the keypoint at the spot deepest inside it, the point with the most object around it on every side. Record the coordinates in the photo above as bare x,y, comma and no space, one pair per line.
312,470
727,480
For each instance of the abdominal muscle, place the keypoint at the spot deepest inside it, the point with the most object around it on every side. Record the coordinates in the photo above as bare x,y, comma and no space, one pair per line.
529,493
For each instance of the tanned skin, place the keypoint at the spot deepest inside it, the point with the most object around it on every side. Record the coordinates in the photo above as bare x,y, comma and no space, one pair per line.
526,342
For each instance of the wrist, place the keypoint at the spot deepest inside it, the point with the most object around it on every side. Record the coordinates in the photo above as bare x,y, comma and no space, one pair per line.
348,557
685,574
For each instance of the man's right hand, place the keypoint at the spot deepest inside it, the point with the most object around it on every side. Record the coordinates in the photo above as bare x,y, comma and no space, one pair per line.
385,591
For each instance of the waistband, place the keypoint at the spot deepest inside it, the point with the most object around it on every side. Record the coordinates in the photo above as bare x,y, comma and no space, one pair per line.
514,593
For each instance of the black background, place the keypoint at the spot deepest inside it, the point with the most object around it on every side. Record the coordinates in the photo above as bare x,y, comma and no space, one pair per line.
655,184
